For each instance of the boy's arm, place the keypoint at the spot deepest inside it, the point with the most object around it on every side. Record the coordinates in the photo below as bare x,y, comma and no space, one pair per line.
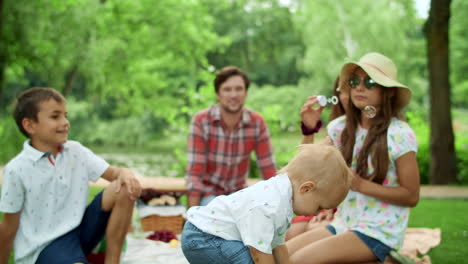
123,176
260,257
281,254
8,228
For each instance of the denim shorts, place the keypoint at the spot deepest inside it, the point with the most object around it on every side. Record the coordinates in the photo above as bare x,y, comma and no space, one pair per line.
380,249
202,248
75,245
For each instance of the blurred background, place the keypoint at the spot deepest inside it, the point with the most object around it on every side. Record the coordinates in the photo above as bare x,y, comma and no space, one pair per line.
135,72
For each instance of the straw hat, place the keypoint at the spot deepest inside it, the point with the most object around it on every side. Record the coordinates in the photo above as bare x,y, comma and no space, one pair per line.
382,70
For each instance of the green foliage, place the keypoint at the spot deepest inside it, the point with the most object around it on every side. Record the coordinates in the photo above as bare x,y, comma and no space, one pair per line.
335,32
91,129
11,139
260,37
421,129
420,126
458,53
461,144
279,105
143,55
137,71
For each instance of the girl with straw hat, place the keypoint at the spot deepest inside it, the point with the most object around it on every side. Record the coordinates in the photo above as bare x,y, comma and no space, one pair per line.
381,149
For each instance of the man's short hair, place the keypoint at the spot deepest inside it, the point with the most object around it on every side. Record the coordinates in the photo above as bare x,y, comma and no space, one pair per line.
227,72
27,104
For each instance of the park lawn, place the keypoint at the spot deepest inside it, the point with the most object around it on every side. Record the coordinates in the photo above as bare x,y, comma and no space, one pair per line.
452,218
448,215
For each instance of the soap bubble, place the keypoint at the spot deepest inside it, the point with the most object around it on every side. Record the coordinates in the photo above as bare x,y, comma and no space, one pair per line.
370,111
323,100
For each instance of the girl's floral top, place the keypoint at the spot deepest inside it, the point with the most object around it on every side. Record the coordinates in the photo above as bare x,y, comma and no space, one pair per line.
368,215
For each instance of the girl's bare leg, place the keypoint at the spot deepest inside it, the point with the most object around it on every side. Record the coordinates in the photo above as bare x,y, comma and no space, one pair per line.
296,229
320,246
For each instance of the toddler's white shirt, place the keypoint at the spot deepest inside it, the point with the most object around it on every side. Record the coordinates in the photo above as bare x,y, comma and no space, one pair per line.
259,215
51,198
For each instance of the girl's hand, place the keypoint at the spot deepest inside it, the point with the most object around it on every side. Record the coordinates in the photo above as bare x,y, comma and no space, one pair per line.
327,141
356,181
310,112
324,215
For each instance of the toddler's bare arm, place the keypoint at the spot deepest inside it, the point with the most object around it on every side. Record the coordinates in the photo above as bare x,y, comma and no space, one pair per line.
281,255
260,257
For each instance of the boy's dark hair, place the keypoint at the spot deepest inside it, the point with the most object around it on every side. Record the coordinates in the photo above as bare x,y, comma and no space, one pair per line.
227,72
27,104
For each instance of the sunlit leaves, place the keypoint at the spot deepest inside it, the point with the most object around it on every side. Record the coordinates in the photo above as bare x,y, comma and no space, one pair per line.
339,31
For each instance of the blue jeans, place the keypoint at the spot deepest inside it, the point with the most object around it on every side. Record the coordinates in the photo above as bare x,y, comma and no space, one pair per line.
202,248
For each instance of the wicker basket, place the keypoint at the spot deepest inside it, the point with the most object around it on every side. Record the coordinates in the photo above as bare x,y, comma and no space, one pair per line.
157,222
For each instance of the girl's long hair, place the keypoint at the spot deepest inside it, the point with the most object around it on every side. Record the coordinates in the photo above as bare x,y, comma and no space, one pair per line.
375,143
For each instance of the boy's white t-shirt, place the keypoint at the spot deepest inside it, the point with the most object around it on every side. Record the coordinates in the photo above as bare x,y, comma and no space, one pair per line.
51,198
258,215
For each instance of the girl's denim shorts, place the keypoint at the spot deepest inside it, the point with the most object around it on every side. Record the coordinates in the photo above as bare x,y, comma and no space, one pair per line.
380,249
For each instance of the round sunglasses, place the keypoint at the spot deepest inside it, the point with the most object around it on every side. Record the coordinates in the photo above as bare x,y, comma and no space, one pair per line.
369,83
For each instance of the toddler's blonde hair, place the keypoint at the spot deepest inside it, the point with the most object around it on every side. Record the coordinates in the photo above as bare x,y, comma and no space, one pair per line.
320,163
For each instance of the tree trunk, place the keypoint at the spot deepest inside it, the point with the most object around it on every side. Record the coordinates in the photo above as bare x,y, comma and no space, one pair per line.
443,162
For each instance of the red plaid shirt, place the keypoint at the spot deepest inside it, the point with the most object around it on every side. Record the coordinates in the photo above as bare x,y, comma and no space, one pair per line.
218,161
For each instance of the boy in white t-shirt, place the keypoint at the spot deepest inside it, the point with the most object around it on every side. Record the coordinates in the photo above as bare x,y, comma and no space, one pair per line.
249,225
45,191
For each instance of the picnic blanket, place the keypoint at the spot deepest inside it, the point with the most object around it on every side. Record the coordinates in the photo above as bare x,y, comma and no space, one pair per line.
144,251
418,241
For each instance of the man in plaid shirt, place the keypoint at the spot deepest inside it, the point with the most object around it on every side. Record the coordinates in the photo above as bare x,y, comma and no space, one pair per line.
221,140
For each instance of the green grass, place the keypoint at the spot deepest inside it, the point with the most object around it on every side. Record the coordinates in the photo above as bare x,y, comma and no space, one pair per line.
452,218
448,215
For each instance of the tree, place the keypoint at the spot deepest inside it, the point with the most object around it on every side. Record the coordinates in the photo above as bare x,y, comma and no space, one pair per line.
443,162
339,31
260,37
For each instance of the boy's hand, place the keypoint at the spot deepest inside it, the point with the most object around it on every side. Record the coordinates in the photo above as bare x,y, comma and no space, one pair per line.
125,176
